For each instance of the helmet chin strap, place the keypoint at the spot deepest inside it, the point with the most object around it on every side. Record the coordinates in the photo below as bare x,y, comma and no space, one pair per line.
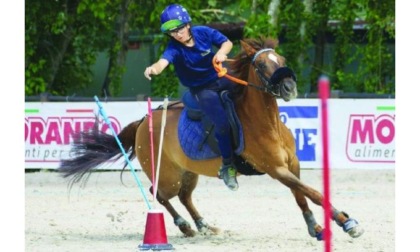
188,40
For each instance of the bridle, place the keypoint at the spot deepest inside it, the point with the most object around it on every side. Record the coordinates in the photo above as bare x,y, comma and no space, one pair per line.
268,84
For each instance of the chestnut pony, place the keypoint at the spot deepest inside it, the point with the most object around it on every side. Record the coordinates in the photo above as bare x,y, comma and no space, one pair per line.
269,146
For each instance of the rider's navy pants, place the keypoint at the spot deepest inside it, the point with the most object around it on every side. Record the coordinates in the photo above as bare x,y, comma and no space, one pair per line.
211,104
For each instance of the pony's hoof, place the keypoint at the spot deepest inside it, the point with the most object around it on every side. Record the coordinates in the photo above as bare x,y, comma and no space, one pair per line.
356,232
208,230
189,233
186,230
320,235
205,228
351,226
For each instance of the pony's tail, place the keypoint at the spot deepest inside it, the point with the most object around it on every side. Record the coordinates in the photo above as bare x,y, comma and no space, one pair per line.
93,148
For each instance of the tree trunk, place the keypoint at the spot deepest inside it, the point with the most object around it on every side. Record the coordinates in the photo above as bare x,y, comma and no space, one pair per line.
273,11
57,55
321,8
254,7
117,58
303,33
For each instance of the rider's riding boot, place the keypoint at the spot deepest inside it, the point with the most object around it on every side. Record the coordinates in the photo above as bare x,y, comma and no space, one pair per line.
227,172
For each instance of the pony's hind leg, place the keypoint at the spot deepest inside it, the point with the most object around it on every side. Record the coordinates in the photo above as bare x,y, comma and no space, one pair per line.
189,182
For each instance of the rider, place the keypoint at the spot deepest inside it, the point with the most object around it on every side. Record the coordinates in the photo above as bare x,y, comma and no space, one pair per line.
190,50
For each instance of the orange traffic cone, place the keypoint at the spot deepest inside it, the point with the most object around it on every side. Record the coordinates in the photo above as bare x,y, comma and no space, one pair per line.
155,232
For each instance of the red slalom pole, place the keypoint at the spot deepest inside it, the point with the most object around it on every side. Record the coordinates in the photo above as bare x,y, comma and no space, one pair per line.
152,150
324,93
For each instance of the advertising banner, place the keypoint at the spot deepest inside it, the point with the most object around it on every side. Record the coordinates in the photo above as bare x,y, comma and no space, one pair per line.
361,131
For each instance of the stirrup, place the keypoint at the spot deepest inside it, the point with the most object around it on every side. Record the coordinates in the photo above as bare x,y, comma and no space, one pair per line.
228,174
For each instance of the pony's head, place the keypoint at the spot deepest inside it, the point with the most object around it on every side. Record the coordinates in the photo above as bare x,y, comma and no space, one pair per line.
274,76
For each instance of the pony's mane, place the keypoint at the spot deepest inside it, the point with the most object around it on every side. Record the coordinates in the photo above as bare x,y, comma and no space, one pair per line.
239,67
242,61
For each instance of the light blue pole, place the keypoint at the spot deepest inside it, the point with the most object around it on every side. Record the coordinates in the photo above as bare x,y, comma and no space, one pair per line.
103,114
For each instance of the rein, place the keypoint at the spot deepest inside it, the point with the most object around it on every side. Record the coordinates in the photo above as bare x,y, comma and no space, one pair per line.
222,72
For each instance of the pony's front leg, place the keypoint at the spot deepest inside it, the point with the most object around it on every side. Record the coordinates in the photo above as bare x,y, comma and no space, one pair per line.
349,225
314,229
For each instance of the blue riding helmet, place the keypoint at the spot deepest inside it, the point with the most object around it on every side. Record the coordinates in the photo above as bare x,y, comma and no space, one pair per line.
173,17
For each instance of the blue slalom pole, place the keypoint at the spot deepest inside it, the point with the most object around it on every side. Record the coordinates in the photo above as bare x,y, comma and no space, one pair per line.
103,114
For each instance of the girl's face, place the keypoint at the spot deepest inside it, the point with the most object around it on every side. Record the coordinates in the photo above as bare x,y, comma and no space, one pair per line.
182,34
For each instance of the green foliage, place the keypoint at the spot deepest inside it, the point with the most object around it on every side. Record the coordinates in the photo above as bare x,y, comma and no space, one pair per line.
63,39
166,84
297,36
375,72
299,27
34,84
377,62
61,43
344,53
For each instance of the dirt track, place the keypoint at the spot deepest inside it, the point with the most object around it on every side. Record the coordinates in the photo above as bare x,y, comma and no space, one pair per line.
261,216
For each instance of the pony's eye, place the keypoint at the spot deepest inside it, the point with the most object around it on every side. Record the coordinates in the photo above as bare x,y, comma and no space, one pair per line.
262,66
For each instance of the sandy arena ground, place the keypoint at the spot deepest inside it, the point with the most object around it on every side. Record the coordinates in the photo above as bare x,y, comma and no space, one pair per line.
262,215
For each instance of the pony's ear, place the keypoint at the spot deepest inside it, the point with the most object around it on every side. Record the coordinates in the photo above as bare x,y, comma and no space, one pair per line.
248,49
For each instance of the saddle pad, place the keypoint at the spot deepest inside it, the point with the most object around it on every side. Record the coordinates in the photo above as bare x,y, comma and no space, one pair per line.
191,138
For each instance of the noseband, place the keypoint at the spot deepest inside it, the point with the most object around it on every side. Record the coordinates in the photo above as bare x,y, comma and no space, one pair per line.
277,77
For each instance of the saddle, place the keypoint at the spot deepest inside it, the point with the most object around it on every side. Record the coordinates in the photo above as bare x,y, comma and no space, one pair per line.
197,136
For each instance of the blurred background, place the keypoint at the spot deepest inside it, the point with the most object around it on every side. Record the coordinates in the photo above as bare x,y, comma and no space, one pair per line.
80,48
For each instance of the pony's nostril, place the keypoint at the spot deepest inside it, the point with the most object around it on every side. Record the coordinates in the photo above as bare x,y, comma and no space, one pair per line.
288,86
